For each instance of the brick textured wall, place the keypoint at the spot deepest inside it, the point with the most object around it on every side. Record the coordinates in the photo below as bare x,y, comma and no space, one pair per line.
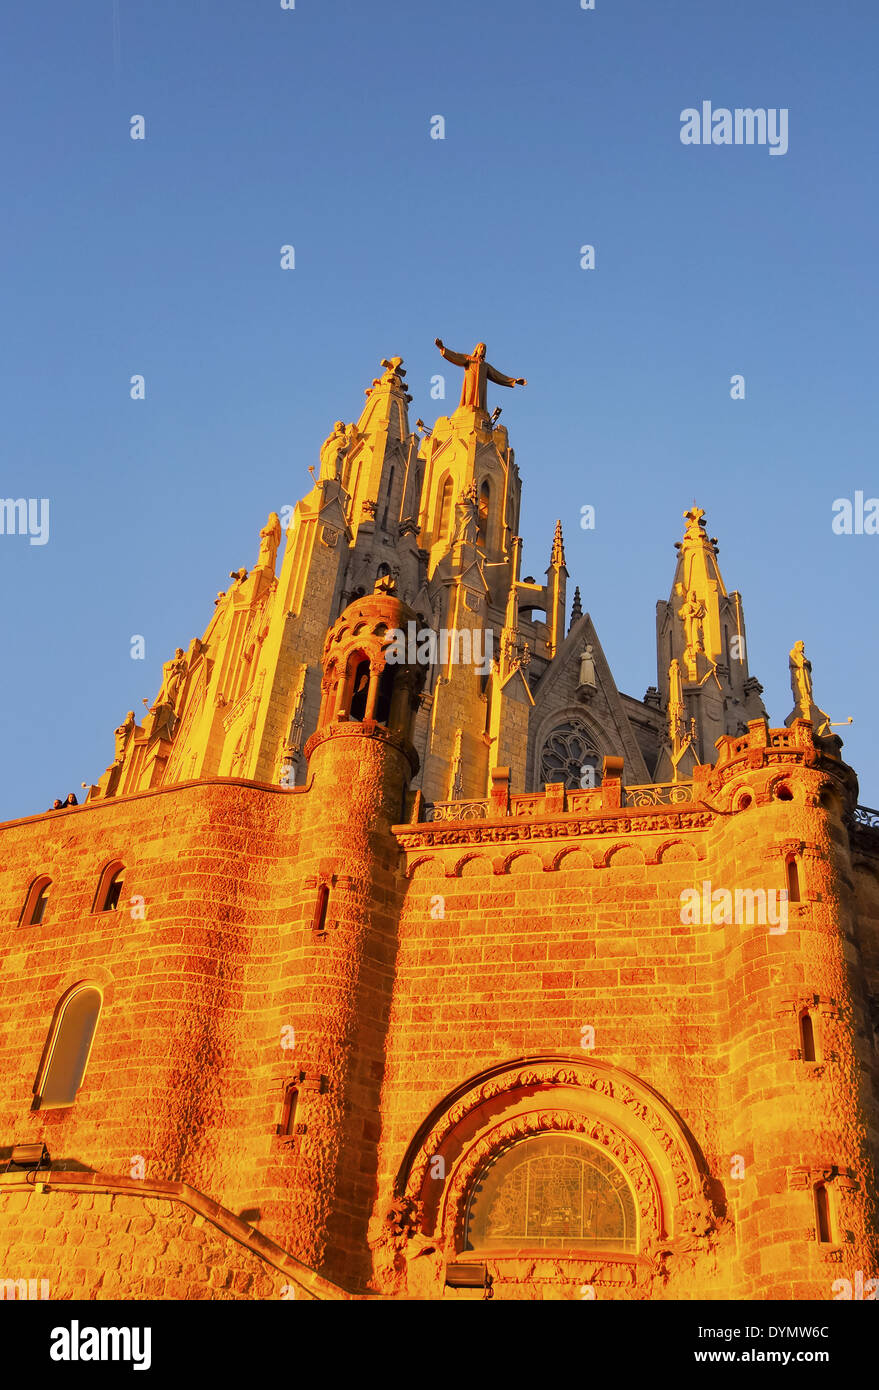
445,999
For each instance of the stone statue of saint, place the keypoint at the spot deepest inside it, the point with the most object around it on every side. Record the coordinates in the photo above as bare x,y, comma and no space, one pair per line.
174,674
269,540
476,373
801,680
587,666
692,611
675,707
122,735
804,700
333,452
466,516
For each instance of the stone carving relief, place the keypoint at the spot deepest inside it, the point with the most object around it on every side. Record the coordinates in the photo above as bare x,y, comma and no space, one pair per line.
685,1208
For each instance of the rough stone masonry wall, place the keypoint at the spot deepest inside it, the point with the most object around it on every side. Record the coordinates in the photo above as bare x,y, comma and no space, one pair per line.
107,1245
790,1120
521,960
529,946
187,1068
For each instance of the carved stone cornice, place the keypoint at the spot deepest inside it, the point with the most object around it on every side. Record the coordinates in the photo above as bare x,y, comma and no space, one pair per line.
513,828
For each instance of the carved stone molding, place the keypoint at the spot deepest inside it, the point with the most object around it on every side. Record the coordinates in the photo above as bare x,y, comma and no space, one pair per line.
618,1121
508,831
811,1003
803,1177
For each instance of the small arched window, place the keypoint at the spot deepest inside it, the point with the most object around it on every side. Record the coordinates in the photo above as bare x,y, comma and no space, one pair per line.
287,1127
823,1221
360,689
67,1048
444,515
793,880
35,902
110,888
382,712
807,1037
319,920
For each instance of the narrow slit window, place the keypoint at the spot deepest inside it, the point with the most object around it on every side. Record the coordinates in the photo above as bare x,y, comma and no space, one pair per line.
389,498
444,515
822,1215
482,526
320,908
793,880
807,1038
287,1127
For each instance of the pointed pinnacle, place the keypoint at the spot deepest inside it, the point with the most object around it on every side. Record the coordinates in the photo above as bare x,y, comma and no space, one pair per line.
558,546
576,609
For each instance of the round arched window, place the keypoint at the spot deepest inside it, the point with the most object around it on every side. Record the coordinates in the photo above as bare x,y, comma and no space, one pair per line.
570,756
551,1192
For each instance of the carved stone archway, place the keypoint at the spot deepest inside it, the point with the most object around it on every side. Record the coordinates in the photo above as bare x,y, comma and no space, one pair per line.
592,1100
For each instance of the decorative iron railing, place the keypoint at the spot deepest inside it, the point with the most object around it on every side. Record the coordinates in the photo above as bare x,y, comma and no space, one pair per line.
866,816
659,794
456,810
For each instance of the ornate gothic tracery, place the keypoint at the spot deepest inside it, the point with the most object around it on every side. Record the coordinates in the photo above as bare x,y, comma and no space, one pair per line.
567,754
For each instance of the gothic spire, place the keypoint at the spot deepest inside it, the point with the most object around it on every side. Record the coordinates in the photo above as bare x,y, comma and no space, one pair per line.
557,558
576,608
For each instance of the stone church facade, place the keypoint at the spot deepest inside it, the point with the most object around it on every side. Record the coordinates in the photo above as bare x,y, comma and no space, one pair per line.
399,954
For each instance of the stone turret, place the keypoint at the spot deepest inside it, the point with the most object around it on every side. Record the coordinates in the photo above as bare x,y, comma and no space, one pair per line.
360,764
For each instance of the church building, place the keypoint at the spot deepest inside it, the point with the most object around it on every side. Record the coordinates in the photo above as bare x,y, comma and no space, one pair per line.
399,954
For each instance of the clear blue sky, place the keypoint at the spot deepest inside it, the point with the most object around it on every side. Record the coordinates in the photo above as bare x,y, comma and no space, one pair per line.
312,127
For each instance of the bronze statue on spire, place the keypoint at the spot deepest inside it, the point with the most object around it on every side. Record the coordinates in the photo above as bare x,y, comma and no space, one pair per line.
477,372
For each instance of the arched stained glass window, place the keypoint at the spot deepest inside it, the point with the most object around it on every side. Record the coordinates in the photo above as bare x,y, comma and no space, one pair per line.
552,1192
70,1042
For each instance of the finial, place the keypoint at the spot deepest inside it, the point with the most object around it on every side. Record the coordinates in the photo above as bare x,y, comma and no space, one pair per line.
395,373
558,546
576,609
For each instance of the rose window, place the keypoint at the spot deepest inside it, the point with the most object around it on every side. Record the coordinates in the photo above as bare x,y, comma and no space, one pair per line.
570,756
